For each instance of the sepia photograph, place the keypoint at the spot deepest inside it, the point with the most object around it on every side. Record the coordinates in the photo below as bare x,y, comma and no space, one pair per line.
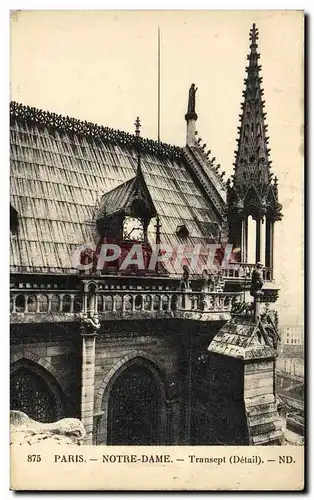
156,232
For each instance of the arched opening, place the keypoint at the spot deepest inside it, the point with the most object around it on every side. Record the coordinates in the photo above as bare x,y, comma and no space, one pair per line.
55,303
31,304
32,393
135,408
43,303
66,305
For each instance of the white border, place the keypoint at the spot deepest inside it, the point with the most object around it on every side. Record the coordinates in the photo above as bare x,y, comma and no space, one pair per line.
5,7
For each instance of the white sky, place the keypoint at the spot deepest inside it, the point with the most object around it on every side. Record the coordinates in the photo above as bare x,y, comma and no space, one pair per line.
102,67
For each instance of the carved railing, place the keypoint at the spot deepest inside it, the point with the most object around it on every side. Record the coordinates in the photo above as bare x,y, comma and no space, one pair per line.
31,302
166,301
118,301
243,272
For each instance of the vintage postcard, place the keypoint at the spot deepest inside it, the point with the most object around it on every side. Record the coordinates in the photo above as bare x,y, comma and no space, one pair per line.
156,237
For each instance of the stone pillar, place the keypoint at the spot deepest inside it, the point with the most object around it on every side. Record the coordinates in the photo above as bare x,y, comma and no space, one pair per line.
258,241
257,305
190,132
244,240
186,302
269,247
87,384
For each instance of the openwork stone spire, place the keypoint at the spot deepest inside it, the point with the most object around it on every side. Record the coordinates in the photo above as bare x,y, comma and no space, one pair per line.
254,191
252,162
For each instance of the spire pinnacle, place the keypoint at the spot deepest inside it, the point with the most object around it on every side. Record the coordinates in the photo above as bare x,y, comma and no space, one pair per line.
254,34
252,161
252,180
138,125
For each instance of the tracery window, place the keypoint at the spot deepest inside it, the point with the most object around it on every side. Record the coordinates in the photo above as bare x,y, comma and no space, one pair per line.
30,393
134,412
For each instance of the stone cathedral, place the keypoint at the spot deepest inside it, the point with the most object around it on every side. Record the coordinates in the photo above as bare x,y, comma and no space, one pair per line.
157,354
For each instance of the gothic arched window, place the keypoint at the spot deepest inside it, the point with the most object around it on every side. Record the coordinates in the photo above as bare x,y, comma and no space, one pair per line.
31,394
134,408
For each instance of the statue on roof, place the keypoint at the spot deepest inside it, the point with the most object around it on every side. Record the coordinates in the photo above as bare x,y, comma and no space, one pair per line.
185,283
191,114
257,281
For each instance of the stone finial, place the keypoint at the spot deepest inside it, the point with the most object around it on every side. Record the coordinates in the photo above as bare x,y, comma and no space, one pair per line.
138,125
254,34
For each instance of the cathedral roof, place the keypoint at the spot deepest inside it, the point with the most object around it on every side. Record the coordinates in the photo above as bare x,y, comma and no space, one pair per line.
60,169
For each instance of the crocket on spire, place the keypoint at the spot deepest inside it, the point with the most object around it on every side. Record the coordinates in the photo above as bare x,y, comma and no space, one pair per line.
252,178
252,163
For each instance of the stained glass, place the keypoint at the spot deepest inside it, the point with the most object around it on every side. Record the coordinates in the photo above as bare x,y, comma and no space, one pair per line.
133,409
30,394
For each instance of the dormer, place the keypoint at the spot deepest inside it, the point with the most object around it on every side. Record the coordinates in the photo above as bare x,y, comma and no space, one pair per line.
126,211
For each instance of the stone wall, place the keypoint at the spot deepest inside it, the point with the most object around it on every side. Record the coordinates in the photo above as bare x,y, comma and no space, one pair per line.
160,348
199,391
226,419
57,350
59,360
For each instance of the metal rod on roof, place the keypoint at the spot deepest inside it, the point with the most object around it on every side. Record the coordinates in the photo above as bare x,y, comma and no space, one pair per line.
158,110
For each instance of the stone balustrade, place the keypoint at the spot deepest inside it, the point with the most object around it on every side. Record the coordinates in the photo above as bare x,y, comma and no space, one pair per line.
122,302
45,302
242,271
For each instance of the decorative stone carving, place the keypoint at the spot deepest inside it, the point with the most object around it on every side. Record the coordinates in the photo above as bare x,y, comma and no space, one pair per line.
253,190
191,114
241,308
24,430
257,280
90,326
185,283
65,124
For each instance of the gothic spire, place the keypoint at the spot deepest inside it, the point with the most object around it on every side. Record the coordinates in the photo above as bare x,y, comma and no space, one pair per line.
252,164
138,125
253,190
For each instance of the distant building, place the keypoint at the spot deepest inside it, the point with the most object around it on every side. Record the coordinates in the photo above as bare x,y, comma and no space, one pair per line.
291,365
293,335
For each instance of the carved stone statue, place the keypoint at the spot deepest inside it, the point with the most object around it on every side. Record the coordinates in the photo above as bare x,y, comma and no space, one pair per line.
191,114
271,327
257,280
241,308
185,283
90,324
24,430
208,282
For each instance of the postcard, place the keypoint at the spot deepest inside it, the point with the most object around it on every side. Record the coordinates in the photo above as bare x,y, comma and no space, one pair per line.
156,250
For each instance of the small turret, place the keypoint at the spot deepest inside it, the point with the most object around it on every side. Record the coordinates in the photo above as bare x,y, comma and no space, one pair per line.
253,192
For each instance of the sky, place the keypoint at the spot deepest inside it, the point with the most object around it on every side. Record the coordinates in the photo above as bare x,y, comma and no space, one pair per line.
101,66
